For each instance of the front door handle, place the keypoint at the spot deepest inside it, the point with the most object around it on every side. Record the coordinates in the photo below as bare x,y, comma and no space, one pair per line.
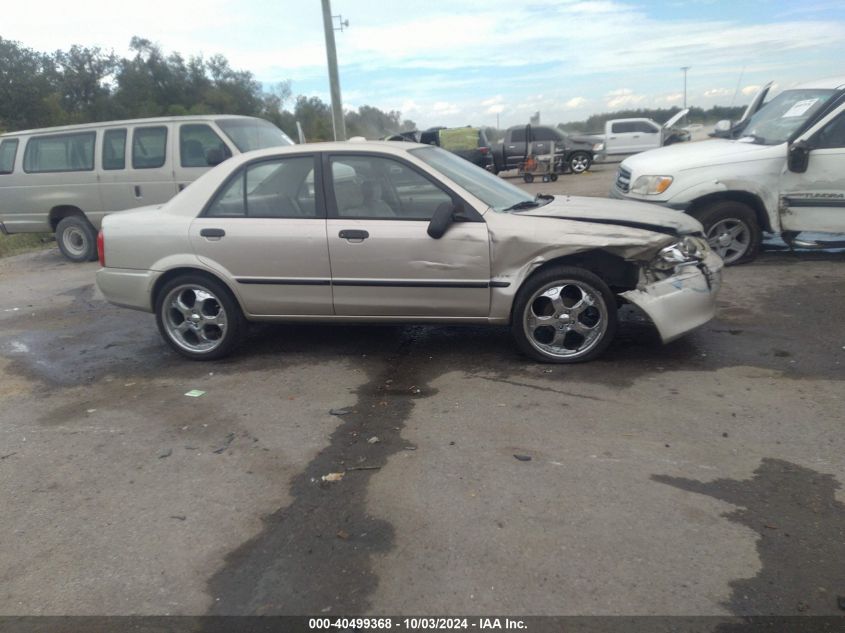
138,193
352,234
218,233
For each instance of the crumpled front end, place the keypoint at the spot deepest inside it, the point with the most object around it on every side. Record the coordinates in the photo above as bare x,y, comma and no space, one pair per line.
679,299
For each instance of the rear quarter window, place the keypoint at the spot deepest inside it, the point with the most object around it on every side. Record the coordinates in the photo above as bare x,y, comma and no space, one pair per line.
8,151
60,152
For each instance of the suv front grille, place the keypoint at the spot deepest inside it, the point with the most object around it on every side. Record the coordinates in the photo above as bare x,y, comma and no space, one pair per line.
623,180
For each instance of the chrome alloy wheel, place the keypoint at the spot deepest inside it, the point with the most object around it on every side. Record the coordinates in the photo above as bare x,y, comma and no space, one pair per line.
730,239
579,163
194,318
565,319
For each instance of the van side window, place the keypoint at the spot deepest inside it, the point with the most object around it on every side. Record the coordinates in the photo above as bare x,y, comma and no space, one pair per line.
8,151
149,147
62,152
114,149
196,140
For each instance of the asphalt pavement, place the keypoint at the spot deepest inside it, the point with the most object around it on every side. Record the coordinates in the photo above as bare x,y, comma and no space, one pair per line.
701,477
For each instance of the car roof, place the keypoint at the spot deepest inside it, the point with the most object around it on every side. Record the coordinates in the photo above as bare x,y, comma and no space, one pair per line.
830,83
388,147
92,126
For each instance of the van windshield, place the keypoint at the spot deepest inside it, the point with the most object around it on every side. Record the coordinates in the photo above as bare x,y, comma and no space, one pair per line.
252,134
779,119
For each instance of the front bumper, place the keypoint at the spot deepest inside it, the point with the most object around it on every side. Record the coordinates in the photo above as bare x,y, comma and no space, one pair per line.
128,288
682,302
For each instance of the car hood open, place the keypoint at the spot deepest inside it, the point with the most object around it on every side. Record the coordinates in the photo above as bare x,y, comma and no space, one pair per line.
638,215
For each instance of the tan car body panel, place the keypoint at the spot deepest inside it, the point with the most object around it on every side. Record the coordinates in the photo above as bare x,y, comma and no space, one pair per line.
494,256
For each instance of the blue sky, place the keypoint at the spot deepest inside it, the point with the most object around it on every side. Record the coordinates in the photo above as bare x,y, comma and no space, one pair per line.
465,62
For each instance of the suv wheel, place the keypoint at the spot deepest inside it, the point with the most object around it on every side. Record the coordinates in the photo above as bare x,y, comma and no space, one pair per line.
564,315
579,162
732,230
77,239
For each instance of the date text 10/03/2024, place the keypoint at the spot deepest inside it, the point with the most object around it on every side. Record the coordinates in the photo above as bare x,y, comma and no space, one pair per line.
416,624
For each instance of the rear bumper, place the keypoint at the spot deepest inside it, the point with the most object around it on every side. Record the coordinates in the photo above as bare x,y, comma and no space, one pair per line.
682,302
128,288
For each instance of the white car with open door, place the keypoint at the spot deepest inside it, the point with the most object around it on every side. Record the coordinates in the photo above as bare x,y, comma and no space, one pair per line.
784,175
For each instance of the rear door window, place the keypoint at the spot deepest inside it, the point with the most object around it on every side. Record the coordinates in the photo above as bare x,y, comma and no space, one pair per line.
60,152
518,136
623,127
8,151
198,142
149,147
114,149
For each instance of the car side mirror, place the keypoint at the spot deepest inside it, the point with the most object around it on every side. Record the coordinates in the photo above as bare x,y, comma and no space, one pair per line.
442,219
723,126
214,156
798,157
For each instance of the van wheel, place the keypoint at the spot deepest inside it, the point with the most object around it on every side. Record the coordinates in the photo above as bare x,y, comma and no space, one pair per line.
732,230
198,317
77,239
564,315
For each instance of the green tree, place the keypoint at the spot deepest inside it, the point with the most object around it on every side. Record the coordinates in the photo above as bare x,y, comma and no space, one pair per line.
26,85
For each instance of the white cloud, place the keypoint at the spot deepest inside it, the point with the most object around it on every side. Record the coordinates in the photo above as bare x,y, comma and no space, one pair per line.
495,109
750,90
444,107
718,92
623,98
574,103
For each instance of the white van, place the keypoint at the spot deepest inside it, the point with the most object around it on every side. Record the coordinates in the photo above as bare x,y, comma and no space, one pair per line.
65,179
784,175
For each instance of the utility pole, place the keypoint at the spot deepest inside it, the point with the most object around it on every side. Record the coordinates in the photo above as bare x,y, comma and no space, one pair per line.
338,124
685,69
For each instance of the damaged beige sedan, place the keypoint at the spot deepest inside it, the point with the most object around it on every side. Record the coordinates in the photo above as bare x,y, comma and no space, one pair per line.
390,232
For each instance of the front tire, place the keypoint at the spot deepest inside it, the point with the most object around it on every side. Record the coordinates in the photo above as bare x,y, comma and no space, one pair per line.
579,162
732,230
564,315
198,317
77,239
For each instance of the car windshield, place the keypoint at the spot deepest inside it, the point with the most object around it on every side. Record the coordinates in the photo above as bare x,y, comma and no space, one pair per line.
778,120
492,190
251,134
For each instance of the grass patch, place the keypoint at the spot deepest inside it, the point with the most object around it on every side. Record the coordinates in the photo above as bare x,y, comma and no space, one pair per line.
22,242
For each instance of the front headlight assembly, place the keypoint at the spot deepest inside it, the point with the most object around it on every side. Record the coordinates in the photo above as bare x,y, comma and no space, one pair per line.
651,185
688,250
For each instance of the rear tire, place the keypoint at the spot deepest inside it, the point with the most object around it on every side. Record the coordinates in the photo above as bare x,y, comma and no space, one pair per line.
732,230
564,314
199,317
529,178
77,239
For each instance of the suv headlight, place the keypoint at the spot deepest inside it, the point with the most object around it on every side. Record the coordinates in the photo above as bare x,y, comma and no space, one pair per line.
651,185
687,250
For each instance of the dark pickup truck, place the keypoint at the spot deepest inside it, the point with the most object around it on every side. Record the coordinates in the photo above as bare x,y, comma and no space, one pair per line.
571,154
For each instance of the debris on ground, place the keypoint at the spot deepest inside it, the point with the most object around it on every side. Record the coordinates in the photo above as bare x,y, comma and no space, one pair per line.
333,477
364,468
90,410
166,453
195,393
343,411
840,600
410,447
229,439
373,440
523,458
343,534
9,455
178,517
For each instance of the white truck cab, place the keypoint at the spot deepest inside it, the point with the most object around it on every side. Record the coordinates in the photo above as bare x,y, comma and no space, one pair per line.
629,136
784,175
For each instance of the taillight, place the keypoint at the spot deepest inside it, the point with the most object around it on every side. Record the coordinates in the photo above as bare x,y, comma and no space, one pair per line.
484,149
101,248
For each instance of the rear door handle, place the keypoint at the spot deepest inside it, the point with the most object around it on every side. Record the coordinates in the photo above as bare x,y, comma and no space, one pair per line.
352,234
218,233
138,191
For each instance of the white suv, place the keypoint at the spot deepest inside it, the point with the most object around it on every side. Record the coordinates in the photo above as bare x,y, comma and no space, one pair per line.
784,175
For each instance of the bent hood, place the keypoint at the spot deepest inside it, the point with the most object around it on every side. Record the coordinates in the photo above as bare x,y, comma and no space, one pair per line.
671,159
639,215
